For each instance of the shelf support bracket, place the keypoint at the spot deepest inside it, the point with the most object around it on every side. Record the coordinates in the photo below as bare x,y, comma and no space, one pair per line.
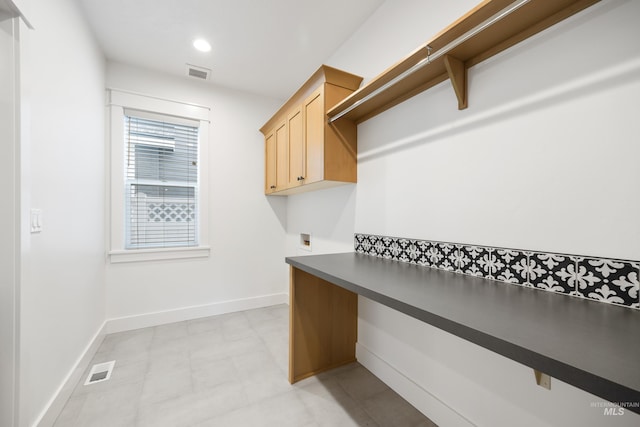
542,379
458,75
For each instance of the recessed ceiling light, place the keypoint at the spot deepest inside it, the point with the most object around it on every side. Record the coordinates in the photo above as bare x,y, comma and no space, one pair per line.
202,45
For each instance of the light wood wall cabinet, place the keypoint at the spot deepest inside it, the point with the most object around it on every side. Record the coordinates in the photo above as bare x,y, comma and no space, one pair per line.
303,151
276,154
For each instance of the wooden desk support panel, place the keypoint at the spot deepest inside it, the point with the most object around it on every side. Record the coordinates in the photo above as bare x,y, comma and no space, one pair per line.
323,325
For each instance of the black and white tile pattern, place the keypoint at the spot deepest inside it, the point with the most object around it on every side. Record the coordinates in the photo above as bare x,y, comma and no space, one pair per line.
509,266
600,279
473,259
553,272
447,258
608,280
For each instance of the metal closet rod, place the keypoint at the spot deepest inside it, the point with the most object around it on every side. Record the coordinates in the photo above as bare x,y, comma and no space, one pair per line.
433,56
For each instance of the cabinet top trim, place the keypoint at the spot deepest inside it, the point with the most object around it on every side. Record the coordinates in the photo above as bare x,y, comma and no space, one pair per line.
324,74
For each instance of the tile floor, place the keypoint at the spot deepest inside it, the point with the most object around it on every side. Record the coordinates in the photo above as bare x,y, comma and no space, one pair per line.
227,370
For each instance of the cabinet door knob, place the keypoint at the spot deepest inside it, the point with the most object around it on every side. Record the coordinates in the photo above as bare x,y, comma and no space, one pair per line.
272,187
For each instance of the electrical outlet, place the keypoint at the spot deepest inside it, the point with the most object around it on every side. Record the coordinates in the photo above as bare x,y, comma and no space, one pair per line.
305,241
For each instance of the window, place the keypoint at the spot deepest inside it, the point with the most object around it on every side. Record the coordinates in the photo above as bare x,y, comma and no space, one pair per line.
158,179
161,183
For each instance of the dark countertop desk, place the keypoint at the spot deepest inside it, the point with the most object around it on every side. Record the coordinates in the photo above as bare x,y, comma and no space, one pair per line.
590,345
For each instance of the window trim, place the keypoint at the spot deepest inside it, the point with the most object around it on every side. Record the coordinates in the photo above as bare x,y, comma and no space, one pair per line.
158,254
118,102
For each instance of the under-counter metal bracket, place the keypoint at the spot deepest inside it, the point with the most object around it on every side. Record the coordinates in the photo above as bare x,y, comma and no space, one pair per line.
542,379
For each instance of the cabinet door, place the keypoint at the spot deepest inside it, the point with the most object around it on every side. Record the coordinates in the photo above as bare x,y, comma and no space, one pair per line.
296,147
270,163
314,119
282,156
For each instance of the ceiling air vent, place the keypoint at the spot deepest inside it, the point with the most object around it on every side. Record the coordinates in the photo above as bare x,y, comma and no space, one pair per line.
198,72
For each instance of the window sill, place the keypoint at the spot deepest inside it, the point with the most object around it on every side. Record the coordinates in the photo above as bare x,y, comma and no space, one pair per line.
141,255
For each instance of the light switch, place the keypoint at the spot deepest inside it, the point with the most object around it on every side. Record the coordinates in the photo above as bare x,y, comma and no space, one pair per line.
36,220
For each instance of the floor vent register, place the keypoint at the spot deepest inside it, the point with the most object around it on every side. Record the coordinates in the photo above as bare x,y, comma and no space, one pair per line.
100,372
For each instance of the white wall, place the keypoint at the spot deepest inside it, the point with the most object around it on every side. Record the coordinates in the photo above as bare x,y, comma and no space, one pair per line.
327,215
544,158
246,266
62,148
9,220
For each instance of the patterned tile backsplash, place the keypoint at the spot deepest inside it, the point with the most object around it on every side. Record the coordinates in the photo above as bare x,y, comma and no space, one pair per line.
601,279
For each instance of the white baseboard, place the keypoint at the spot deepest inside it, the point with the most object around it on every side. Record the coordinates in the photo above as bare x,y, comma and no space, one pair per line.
54,407
145,320
439,412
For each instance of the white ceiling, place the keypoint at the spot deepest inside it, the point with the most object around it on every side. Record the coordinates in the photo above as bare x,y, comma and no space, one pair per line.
268,47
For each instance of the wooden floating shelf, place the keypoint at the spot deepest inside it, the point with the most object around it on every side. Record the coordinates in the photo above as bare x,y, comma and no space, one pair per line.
526,20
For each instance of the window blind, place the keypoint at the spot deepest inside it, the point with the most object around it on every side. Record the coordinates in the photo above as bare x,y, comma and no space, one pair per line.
161,183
